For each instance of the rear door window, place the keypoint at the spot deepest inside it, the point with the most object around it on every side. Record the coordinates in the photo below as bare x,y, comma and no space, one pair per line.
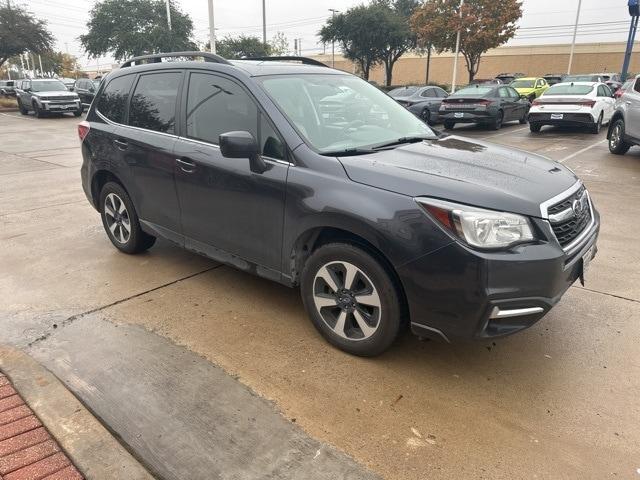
216,105
113,101
153,103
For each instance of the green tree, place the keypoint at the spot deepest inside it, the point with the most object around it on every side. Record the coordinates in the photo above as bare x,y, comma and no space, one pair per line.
61,64
20,31
483,24
241,47
127,28
279,44
357,33
396,31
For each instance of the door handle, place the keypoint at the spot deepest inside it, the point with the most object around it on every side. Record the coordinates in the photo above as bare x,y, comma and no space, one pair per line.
186,165
122,144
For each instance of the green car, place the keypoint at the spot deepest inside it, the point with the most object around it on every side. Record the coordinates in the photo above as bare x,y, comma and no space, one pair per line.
530,88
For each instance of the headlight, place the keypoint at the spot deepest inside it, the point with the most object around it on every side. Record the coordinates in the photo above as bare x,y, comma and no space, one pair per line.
477,227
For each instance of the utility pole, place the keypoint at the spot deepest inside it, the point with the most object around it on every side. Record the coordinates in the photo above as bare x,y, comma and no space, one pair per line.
634,11
299,47
575,33
295,46
168,14
264,23
333,44
212,29
455,61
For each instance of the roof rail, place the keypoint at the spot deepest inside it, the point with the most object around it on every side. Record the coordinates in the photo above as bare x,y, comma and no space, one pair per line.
157,58
289,58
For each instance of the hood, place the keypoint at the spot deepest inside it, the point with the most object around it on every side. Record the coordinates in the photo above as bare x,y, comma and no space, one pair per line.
55,93
466,171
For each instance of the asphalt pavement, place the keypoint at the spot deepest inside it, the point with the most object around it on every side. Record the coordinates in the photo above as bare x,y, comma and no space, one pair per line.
207,372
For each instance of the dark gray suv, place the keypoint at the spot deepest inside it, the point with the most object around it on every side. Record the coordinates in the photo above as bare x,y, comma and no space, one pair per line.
381,222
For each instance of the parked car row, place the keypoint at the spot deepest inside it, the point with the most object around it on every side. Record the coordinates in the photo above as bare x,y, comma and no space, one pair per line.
7,88
46,95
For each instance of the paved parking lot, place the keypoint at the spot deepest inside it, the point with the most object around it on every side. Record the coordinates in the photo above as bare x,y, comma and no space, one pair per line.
559,401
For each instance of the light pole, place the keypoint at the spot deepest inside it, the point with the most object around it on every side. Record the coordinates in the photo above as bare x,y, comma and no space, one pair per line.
212,29
573,43
168,14
264,23
333,43
455,61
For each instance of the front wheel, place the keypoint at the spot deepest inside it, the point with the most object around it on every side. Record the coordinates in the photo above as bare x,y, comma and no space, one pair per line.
535,127
425,115
351,299
23,110
121,222
78,112
448,125
617,145
37,110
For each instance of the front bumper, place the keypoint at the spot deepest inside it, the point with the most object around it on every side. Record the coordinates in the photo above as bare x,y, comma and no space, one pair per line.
457,293
63,106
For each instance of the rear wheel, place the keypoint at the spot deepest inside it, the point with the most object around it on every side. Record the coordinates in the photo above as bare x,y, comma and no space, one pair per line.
425,115
78,112
617,145
595,128
448,125
535,127
121,222
497,123
523,120
351,299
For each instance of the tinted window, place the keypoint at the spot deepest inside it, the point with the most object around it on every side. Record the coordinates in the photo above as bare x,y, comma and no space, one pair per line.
504,92
441,93
114,98
153,104
513,93
403,91
473,91
216,105
428,93
270,143
523,83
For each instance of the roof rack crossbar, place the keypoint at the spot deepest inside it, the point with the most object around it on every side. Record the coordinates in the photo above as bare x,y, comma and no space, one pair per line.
289,58
157,57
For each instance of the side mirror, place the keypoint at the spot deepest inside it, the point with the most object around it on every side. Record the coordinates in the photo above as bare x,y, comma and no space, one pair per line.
241,144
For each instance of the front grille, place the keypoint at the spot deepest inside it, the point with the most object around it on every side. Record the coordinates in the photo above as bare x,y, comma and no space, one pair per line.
568,230
60,99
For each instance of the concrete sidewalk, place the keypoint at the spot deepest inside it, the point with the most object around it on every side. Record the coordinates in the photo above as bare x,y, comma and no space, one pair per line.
47,434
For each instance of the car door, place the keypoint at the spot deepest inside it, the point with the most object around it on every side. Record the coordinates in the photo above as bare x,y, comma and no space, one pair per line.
26,95
608,102
81,89
229,211
144,141
521,105
508,104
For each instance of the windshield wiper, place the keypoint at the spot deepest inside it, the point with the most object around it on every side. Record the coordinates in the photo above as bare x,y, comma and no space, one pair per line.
348,152
401,141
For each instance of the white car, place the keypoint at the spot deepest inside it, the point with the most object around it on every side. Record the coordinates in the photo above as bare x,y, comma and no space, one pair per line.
577,104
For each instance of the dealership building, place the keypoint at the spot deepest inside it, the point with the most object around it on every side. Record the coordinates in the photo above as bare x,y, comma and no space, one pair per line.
533,60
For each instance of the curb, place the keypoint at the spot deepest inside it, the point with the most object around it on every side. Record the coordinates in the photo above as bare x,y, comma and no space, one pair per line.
89,445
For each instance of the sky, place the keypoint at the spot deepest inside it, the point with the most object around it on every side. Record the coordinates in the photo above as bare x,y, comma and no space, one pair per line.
543,21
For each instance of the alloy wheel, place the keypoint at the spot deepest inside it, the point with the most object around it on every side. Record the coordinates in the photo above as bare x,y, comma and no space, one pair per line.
347,300
616,135
117,217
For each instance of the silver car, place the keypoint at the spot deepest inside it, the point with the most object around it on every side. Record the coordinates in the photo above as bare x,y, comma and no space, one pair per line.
624,128
45,96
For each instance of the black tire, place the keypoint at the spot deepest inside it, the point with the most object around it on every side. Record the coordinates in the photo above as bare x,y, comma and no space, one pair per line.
497,123
22,108
37,110
532,97
78,112
373,278
596,127
535,127
425,115
617,145
136,241
448,125
525,117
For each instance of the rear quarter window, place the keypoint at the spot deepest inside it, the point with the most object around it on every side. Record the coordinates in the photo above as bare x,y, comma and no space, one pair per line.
113,102
153,104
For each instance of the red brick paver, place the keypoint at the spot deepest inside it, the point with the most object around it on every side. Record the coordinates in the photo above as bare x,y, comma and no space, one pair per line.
27,451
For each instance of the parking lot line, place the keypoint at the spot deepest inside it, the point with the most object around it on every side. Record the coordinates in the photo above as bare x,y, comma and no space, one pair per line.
580,152
508,132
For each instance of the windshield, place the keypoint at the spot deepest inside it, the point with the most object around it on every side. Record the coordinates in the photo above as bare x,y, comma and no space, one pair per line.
472,92
42,86
361,116
568,89
523,83
403,91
